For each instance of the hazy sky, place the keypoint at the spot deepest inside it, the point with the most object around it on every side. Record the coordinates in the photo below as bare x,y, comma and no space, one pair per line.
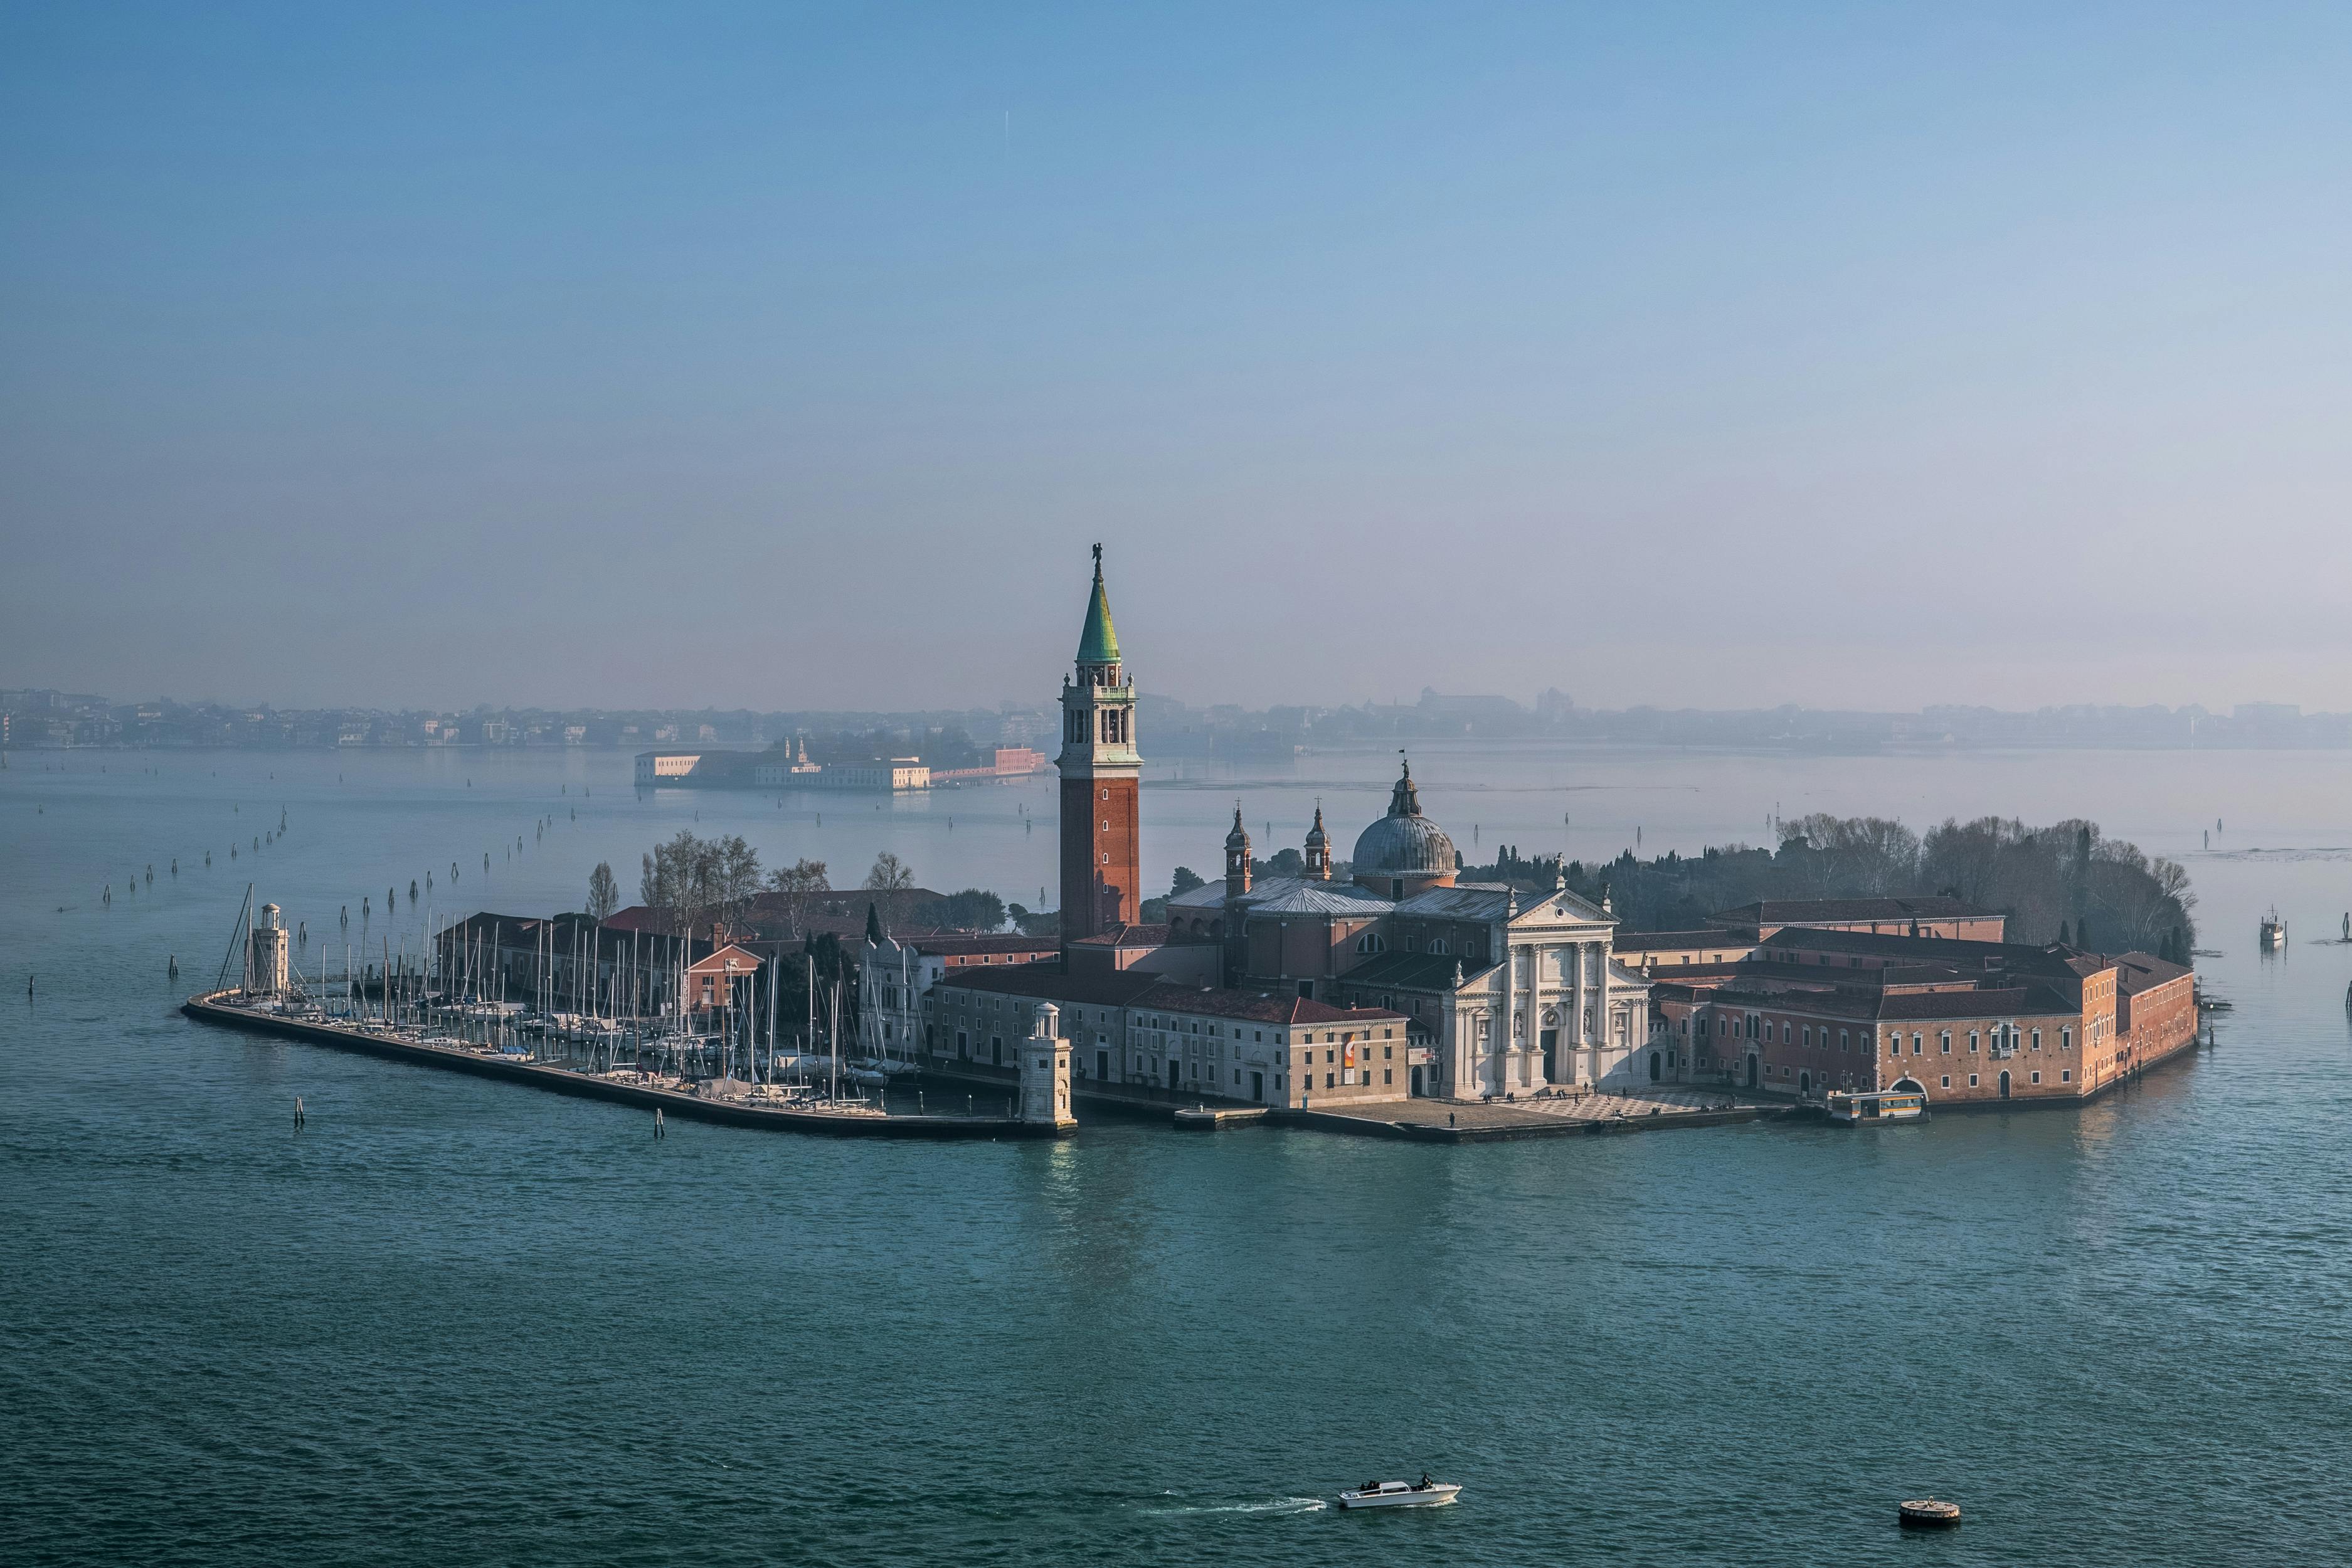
792,357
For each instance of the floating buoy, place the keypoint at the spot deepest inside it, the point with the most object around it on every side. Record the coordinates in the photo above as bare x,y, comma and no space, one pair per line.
1928,1513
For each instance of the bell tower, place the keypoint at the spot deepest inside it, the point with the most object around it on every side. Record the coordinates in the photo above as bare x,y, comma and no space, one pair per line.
1102,851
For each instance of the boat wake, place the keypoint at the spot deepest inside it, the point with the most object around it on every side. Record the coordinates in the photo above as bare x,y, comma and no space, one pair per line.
1270,1506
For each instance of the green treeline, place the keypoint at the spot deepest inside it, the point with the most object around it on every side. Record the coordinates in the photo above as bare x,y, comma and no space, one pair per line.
2066,881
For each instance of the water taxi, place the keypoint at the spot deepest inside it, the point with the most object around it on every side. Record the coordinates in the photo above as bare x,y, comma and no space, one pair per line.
2272,933
1850,1107
1424,1493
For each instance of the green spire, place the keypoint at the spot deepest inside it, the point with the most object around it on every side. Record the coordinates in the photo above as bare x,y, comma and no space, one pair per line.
1098,643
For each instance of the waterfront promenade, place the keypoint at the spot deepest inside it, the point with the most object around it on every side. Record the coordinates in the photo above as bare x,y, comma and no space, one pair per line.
732,1110
1495,1120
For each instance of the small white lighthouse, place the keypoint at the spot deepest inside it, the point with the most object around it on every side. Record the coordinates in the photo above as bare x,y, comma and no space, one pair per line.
1045,1072
267,974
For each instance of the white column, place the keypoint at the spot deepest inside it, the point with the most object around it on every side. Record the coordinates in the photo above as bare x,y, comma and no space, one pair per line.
1536,956
1572,1025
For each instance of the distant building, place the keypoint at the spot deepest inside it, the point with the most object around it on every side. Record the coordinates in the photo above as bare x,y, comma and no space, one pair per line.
1010,762
666,767
792,768
897,774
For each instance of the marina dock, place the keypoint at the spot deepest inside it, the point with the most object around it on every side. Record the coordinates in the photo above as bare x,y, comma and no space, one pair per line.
455,1056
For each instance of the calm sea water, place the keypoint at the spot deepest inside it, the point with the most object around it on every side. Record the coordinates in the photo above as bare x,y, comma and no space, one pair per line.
457,1321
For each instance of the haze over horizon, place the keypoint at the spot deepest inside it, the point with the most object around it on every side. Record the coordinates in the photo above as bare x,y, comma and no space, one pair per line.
717,356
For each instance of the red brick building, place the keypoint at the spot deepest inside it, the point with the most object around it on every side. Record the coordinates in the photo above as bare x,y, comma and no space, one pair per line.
1813,1009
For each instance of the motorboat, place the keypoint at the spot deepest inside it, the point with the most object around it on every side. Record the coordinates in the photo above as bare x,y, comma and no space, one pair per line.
2273,933
1850,1108
1424,1493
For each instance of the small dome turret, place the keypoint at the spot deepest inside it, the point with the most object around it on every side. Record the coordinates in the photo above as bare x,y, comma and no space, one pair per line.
1318,848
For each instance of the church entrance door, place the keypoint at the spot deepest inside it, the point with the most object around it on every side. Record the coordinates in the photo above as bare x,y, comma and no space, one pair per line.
1751,1072
1257,1086
1172,1077
1549,1040
1653,1067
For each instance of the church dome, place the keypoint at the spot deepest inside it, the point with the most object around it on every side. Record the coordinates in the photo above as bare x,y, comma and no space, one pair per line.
1404,843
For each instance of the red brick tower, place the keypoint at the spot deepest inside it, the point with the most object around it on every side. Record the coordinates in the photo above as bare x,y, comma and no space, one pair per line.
1102,850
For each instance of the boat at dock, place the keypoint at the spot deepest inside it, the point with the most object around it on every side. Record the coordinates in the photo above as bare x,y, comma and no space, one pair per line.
1849,1107
1424,1493
751,1105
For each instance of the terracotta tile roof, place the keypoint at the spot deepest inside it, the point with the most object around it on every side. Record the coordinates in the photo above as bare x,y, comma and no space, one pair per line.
2024,958
952,945
1127,936
1789,911
2138,972
1134,988
1412,970
2036,1000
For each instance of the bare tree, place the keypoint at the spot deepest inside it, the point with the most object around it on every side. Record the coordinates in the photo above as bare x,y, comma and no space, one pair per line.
673,884
694,880
1859,857
892,878
799,882
603,892
734,876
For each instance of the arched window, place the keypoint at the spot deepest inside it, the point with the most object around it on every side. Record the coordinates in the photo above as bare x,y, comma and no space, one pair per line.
1372,942
1437,944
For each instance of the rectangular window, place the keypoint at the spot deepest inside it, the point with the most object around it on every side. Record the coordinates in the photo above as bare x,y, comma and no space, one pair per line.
1972,1080
1388,1075
2037,1039
2066,1074
2037,1078
1918,1044
1948,1042
1328,1082
1948,1080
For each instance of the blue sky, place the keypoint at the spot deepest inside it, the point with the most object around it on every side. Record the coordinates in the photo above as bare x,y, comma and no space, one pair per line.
790,357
